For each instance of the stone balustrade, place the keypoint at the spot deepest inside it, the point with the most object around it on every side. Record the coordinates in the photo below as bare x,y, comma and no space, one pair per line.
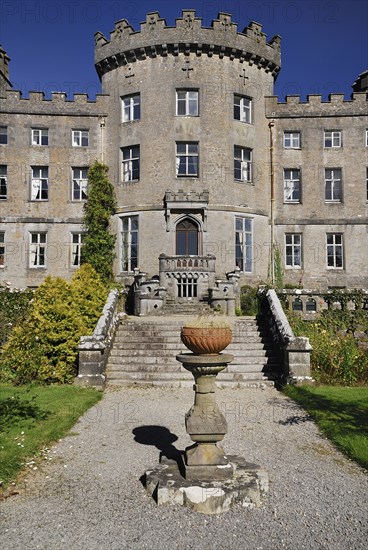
94,350
308,303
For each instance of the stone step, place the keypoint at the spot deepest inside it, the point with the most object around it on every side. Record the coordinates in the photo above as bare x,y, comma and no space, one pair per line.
164,376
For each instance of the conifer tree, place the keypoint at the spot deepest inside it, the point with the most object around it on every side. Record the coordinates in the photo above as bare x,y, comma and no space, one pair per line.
99,244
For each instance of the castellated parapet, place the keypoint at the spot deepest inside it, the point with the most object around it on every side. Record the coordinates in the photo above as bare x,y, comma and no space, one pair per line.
13,102
315,107
155,38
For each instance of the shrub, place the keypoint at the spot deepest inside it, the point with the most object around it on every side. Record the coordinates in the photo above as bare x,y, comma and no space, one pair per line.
14,307
249,300
337,357
44,347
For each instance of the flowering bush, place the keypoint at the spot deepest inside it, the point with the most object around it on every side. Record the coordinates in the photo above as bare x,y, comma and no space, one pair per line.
43,348
338,357
14,307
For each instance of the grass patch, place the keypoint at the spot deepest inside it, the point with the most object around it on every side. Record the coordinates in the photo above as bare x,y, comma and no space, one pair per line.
341,414
31,417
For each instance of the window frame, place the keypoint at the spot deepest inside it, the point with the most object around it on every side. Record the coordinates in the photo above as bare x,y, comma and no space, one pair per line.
76,248
187,159
129,239
43,135
245,111
292,135
333,185
3,135
295,249
36,247
3,182
244,245
239,162
2,249
43,185
83,187
332,138
129,107
297,189
335,246
186,101
78,136
130,166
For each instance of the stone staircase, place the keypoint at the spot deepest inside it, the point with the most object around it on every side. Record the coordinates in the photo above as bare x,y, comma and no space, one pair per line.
144,353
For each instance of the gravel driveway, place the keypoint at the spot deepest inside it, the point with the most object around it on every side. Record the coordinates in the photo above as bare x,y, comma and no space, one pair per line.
89,495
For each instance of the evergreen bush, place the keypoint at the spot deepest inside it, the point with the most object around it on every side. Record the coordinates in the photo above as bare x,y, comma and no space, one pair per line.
99,244
44,347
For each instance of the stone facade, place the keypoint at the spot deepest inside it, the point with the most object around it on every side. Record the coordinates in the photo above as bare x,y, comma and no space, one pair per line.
184,125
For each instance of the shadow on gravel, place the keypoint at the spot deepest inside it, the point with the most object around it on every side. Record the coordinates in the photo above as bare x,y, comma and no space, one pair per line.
292,420
160,437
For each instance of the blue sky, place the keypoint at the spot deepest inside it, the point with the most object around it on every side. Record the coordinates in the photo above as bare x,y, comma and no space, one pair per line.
51,42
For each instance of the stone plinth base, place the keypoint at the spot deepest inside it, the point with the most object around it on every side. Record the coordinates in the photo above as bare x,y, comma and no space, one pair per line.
246,487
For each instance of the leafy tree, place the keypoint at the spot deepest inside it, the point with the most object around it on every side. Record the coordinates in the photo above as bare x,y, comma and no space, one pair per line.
99,243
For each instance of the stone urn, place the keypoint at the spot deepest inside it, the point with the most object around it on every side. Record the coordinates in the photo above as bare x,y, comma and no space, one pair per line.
207,337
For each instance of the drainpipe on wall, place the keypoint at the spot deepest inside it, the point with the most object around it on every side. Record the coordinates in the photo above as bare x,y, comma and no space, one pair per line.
272,250
102,126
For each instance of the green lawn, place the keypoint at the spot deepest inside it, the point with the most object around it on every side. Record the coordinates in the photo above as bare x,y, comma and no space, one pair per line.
341,413
31,417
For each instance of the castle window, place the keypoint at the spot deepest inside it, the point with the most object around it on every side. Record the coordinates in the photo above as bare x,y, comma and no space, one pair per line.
187,102
3,182
76,247
3,135
130,243
131,107
187,159
242,163
80,181
40,136
40,183
293,250
187,238
80,138
292,187
2,249
366,138
130,163
334,250
332,138
242,108
37,256
244,244
291,140
333,190
366,184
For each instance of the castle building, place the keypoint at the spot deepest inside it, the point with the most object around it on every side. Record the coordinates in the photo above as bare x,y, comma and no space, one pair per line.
209,167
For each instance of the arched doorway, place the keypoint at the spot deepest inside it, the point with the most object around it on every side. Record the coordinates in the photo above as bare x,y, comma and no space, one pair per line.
187,238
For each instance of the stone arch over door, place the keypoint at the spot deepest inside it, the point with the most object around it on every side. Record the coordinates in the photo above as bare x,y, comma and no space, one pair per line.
187,236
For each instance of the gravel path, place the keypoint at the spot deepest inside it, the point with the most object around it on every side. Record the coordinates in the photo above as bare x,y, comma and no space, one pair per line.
89,495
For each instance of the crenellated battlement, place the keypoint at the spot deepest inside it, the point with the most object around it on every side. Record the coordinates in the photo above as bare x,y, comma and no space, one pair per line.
315,106
155,38
80,104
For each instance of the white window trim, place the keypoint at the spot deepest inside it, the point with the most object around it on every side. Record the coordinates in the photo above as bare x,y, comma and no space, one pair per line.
2,249
128,103
244,245
187,155
292,136
127,164
246,167
293,245
333,181
82,182
4,132
37,135
37,182
246,110
35,250
129,243
334,134
335,246
187,101
75,248
290,185
4,181
77,138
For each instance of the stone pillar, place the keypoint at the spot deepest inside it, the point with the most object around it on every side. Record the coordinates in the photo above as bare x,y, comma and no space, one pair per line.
91,371
298,359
